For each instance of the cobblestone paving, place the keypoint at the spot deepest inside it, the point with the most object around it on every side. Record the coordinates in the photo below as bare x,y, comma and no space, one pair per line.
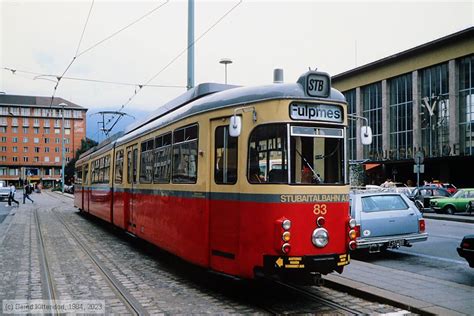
149,275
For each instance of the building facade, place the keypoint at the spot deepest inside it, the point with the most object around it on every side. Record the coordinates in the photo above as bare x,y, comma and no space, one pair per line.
418,102
31,135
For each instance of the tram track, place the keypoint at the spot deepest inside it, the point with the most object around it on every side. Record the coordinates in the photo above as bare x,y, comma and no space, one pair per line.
46,275
128,300
301,291
132,305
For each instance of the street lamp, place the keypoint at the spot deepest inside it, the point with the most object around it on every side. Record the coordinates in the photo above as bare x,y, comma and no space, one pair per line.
225,61
62,147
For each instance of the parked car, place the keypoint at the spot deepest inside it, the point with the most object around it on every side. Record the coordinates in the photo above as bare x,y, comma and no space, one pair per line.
466,249
450,187
456,203
386,220
422,196
4,190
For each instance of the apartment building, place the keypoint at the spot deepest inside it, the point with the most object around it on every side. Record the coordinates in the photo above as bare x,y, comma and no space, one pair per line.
31,137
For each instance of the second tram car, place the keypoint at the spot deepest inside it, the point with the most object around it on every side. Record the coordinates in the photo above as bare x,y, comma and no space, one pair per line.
245,181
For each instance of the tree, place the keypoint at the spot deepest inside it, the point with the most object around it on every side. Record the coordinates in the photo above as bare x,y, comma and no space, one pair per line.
86,144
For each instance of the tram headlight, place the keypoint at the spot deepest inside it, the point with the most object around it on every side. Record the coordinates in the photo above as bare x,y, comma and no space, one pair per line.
352,223
286,224
320,237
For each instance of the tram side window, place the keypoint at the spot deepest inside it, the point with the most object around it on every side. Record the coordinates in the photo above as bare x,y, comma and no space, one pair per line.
185,144
267,157
106,175
78,177
119,166
225,157
146,164
162,153
129,165
132,156
101,170
94,172
86,175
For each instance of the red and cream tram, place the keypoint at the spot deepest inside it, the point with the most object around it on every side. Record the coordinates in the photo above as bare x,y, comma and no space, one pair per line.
245,181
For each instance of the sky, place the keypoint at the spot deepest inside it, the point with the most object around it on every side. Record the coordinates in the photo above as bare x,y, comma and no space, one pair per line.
41,38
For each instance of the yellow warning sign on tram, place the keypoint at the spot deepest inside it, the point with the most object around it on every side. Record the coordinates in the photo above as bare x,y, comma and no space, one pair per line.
289,262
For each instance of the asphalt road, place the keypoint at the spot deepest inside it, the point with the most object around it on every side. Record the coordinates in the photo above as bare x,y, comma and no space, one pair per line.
437,257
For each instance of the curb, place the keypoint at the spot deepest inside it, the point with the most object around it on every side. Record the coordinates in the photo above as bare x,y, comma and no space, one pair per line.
384,296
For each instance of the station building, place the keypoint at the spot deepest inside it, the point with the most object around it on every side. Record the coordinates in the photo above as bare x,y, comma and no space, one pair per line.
30,137
419,102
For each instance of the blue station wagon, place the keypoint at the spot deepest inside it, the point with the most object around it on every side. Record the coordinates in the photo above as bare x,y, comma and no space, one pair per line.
386,220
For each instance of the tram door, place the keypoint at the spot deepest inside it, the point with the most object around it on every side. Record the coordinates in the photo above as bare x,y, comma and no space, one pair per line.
86,189
130,202
224,194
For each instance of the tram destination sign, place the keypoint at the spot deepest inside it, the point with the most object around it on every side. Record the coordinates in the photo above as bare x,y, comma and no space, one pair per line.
316,112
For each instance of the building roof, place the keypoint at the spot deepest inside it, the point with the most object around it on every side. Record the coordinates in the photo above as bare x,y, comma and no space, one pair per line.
465,34
37,101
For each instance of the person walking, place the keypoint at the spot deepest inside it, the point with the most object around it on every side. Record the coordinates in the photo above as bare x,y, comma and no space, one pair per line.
27,190
11,196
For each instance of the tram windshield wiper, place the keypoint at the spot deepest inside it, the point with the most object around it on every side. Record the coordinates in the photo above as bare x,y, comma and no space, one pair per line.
316,177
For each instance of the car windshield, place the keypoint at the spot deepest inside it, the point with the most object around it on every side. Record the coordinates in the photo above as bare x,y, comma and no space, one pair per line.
459,194
378,203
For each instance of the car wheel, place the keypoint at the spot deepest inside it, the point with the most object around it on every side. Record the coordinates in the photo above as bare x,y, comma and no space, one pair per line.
450,210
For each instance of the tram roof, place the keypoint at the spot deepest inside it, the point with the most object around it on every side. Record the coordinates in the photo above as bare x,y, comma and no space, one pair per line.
212,96
230,97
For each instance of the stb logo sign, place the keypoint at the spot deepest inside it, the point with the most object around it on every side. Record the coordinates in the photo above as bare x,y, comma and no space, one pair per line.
318,85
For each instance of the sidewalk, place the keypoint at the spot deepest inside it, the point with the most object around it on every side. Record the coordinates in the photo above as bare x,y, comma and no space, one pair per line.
421,294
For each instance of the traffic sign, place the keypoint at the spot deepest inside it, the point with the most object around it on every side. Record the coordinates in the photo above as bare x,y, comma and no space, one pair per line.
419,168
419,157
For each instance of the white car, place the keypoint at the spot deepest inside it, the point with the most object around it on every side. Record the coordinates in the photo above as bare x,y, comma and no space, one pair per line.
4,190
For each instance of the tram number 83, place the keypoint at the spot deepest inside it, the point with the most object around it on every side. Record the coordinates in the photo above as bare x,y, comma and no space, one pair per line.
320,209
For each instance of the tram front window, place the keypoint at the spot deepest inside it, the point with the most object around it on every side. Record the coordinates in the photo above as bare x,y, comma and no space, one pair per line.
267,160
316,155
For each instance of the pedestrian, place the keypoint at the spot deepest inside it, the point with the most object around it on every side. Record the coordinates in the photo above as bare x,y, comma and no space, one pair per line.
11,196
388,183
27,190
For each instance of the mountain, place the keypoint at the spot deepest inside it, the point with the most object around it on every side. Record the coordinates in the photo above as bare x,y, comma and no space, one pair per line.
94,122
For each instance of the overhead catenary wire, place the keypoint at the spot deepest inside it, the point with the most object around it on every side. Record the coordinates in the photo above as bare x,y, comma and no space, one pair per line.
74,58
84,30
174,60
98,43
123,28
37,75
